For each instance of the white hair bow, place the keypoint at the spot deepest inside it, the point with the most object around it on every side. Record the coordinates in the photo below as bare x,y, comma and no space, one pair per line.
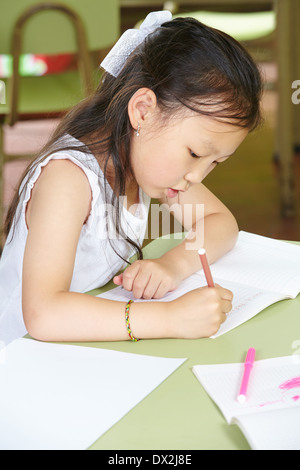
130,39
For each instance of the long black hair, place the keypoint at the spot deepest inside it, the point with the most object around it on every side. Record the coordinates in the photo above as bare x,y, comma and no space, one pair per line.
186,64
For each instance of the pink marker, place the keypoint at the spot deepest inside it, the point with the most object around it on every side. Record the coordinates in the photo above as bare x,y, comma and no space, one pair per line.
206,268
247,369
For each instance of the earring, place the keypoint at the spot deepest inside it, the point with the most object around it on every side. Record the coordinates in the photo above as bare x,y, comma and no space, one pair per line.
138,130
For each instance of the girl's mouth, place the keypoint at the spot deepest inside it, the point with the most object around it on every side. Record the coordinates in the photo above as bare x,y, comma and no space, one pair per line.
172,192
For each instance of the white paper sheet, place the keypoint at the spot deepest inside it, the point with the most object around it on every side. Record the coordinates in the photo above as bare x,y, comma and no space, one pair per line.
55,396
271,412
274,430
222,382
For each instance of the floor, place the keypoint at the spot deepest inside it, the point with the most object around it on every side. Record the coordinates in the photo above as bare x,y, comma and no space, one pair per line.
248,183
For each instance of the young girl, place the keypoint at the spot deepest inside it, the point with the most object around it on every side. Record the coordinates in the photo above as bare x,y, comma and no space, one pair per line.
177,98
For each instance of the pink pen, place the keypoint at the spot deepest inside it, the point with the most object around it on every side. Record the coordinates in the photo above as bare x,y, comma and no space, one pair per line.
206,268
247,369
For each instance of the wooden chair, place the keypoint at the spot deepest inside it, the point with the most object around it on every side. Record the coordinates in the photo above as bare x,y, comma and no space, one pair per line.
70,26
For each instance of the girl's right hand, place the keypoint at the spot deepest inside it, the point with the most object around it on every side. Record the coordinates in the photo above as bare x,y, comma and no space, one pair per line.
200,312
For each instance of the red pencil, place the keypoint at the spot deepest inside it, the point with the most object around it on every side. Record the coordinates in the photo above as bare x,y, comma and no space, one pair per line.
206,268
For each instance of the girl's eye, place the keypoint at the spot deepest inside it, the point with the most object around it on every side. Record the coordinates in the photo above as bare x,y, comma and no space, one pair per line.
194,155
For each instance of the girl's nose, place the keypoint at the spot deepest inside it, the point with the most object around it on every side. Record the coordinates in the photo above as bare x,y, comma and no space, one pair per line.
200,170
196,175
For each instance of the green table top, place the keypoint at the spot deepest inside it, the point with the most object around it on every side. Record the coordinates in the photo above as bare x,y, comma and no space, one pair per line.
179,414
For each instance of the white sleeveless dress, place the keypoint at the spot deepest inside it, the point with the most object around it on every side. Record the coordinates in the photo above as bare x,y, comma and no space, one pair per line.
96,261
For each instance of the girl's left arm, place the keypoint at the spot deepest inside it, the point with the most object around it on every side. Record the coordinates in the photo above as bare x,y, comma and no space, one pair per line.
209,223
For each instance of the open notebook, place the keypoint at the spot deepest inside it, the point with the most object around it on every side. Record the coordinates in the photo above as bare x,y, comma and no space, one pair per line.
259,271
270,418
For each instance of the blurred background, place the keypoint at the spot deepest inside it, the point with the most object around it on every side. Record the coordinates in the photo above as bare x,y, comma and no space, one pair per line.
260,184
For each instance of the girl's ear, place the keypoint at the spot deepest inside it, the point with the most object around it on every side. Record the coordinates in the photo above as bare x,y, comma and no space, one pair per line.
141,105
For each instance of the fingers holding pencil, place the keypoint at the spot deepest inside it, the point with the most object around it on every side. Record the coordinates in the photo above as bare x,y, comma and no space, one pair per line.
223,298
225,294
227,297
199,313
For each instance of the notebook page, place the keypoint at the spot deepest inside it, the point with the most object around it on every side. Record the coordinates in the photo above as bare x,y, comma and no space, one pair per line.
247,301
274,384
261,262
274,430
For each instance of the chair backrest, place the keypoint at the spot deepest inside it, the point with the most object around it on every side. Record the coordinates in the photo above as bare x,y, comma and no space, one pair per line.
53,28
50,32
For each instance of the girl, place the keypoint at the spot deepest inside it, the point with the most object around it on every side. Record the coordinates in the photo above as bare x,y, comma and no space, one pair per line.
177,98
